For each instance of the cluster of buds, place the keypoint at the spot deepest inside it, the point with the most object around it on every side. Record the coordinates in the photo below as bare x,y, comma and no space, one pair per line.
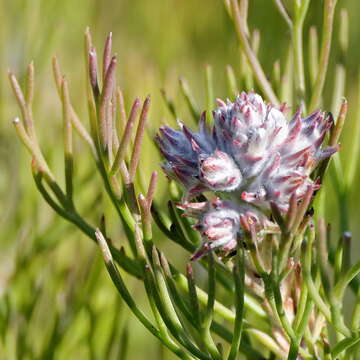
253,154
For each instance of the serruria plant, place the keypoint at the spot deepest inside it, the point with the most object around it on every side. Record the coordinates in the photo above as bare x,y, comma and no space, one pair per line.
254,156
250,176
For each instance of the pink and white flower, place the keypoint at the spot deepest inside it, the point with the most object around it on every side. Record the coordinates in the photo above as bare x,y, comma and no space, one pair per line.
252,153
219,223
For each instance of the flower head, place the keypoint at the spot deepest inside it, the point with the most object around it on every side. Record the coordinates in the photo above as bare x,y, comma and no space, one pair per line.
219,172
219,222
252,153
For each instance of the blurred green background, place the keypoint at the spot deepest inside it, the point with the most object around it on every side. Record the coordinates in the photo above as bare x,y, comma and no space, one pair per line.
56,300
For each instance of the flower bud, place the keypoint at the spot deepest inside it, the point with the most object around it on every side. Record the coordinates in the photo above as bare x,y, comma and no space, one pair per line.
254,154
219,172
219,223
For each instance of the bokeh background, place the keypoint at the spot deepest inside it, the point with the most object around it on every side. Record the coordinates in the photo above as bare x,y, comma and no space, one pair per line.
56,300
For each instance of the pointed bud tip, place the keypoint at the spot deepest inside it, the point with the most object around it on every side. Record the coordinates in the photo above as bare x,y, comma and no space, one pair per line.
183,82
92,52
220,103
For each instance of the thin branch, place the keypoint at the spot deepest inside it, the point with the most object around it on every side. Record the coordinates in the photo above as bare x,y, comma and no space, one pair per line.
126,138
259,74
300,13
283,12
105,102
135,157
313,51
68,144
329,10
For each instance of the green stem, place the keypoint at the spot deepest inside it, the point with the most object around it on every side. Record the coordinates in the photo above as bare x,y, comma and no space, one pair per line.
344,345
280,309
216,327
329,10
283,12
355,148
239,278
267,341
68,145
219,308
189,98
313,292
345,280
286,86
355,323
300,13
240,26
161,324
232,87
122,289
209,85
168,313
208,316
313,54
